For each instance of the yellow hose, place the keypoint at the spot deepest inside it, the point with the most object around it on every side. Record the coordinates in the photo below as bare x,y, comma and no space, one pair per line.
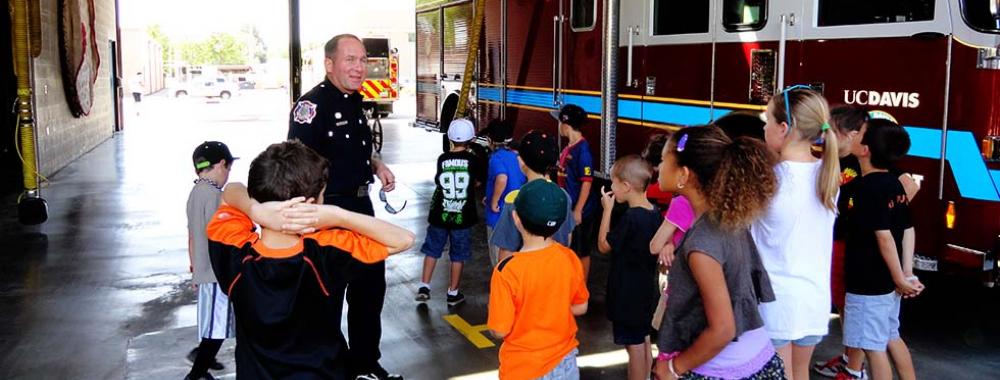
22,69
470,60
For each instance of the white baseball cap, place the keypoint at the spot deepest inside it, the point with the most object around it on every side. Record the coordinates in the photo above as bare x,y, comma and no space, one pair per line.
461,130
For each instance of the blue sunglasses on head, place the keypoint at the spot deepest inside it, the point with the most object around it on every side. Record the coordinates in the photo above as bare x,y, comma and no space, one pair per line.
788,107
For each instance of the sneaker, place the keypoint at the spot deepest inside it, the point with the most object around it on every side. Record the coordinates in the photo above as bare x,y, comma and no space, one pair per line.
456,299
846,375
207,376
215,366
423,294
379,376
830,368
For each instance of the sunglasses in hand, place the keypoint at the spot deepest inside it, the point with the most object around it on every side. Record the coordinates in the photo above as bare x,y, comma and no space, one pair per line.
388,207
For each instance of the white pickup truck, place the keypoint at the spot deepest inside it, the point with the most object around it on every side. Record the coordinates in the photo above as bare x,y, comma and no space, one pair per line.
208,87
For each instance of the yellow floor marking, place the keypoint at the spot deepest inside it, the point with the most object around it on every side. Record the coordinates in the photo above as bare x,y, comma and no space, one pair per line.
473,333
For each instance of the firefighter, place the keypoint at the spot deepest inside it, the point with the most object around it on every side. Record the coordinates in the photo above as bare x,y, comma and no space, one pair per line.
330,120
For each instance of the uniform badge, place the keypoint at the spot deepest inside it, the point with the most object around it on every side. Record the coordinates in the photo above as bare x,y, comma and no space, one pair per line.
586,171
304,112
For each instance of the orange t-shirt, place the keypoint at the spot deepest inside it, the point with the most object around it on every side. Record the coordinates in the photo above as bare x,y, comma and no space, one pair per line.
530,297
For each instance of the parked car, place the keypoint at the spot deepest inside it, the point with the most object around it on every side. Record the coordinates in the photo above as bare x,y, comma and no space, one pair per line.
245,83
209,88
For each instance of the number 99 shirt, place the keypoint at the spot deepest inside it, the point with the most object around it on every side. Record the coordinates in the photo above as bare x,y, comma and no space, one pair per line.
453,205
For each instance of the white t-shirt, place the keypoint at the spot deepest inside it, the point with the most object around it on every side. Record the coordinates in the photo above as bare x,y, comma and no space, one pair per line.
137,85
795,240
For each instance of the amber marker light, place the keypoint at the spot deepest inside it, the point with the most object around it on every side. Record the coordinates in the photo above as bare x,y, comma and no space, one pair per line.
949,216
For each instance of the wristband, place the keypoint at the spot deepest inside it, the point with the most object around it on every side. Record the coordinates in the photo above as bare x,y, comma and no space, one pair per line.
670,367
663,356
912,278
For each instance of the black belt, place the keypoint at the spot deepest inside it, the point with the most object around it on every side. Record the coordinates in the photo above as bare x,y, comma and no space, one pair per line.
362,192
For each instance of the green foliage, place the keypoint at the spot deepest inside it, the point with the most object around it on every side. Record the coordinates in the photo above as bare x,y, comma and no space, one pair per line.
257,46
217,49
156,34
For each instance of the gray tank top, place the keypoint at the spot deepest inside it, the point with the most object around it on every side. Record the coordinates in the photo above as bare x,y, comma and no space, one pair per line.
745,276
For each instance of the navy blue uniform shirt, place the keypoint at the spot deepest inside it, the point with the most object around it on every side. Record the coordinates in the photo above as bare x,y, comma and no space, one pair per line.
333,124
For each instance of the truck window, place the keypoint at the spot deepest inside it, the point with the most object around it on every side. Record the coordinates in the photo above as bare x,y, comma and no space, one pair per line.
858,12
378,68
982,15
744,15
680,17
583,14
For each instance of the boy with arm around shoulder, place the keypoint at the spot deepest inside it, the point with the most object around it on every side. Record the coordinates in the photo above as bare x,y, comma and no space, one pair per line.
287,282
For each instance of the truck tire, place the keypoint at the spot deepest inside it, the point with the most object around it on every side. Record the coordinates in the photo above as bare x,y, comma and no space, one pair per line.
448,109
225,95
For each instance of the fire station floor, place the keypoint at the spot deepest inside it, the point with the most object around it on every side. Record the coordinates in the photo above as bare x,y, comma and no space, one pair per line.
101,291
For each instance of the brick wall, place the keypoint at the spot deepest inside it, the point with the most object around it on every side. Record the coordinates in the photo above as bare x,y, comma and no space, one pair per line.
63,138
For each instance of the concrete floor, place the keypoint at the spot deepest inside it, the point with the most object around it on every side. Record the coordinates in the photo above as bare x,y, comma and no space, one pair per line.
101,291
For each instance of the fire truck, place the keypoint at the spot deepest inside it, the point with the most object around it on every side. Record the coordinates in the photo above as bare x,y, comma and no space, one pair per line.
641,67
381,87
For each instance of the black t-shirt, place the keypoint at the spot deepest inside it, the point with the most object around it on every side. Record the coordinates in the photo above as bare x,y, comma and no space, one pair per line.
632,279
879,203
453,204
288,302
850,169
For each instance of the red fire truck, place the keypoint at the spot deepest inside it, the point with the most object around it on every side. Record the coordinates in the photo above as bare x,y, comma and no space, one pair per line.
639,67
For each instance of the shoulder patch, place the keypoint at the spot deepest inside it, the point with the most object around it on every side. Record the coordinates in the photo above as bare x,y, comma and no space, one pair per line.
304,112
503,264
511,196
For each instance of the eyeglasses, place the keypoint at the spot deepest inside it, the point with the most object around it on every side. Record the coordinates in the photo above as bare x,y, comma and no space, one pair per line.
788,107
388,207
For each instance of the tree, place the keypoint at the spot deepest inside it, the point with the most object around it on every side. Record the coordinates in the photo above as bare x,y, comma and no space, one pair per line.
156,34
217,49
258,49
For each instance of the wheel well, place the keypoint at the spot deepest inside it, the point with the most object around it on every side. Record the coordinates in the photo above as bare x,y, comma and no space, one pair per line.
448,108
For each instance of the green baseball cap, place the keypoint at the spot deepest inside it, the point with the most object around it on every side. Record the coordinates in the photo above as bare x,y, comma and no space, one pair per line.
542,204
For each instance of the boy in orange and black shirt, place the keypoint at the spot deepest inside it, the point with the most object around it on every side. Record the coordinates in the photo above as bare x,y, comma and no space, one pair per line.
288,289
535,293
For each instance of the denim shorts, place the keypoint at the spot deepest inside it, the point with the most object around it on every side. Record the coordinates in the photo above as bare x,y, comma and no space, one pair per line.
870,322
461,243
566,370
807,341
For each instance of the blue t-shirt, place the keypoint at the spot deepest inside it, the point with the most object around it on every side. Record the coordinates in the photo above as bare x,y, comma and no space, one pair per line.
502,161
576,166
506,236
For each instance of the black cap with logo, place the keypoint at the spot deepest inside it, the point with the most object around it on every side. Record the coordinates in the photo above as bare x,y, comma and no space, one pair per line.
570,114
210,153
